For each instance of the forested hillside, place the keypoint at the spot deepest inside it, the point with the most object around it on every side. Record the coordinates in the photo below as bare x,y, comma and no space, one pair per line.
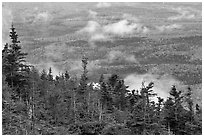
39,103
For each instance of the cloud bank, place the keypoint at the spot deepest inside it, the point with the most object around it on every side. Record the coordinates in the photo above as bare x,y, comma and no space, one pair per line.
128,25
103,5
42,17
162,83
121,28
130,17
92,14
119,56
124,27
171,27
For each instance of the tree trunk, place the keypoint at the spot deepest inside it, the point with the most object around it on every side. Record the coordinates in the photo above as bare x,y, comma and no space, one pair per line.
33,113
88,102
74,105
100,110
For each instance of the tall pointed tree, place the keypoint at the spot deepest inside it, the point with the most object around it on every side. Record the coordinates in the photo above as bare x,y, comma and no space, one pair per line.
66,75
50,76
84,77
189,101
101,79
174,113
14,67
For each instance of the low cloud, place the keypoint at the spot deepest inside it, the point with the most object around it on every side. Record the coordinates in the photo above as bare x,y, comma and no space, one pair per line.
162,83
97,32
171,27
103,5
91,27
46,66
42,17
92,14
99,37
118,56
55,71
125,27
94,31
121,28
184,13
36,16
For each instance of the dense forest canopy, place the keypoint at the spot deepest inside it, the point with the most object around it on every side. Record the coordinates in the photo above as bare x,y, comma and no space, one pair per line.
36,102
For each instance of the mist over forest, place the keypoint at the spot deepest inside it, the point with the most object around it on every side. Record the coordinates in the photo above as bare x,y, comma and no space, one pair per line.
102,68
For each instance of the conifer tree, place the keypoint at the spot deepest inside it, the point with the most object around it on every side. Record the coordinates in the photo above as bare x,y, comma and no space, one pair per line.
105,97
84,77
82,96
14,67
120,92
174,113
159,108
5,63
66,75
101,79
43,75
50,76
189,102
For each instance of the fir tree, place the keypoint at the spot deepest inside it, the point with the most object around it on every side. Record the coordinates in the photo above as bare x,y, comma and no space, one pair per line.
101,79
14,67
175,115
66,75
84,77
43,75
189,102
50,76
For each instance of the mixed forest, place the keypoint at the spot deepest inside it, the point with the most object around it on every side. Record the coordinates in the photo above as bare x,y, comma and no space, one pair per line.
38,103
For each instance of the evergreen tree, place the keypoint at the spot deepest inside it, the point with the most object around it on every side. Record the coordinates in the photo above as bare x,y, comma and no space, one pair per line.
101,79
84,77
14,67
43,75
175,115
83,95
159,109
66,75
5,63
119,93
192,125
198,120
189,101
112,81
105,97
50,76
142,120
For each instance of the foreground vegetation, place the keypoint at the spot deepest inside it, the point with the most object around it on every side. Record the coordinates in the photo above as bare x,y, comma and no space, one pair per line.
39,103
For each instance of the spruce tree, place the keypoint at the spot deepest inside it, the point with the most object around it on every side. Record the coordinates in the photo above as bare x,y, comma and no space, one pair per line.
66,75
82,96
5,62
43,75
101,79
189,101
84,77
50,76
14,67
174,113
